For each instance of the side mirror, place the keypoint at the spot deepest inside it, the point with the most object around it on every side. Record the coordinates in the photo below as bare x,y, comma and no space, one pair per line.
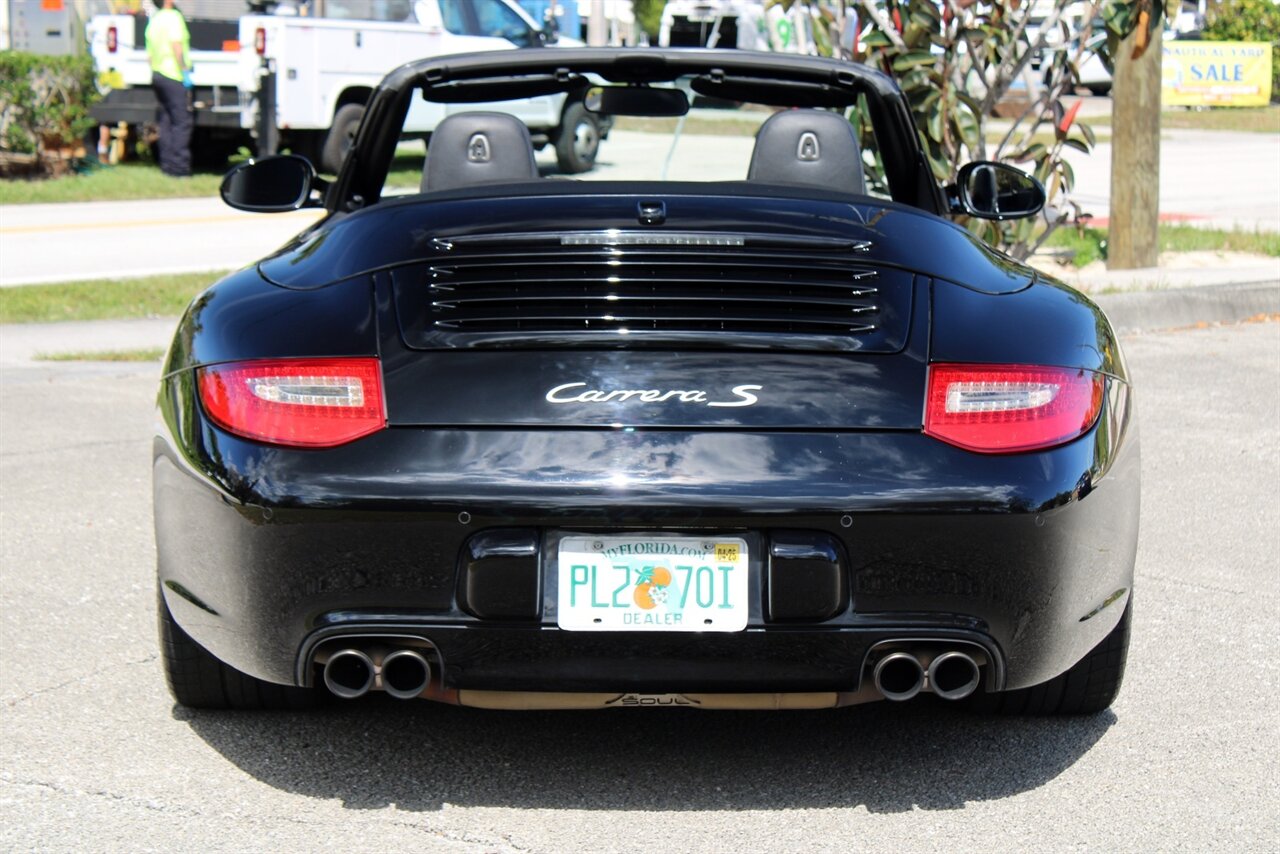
995,191
272,184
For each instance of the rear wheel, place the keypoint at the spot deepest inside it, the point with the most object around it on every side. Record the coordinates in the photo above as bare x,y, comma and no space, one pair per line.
199,681
341,137
1087,688
579,140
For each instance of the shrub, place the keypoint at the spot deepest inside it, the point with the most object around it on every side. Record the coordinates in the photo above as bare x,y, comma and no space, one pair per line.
44,104
959,62
1248,21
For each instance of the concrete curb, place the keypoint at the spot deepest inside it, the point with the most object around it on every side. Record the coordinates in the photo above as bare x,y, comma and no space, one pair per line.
1140,311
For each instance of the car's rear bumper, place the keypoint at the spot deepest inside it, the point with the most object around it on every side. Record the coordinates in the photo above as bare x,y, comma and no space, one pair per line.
264,551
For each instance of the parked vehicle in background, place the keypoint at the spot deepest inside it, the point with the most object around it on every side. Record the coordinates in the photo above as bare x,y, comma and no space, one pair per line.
37,26
742,24
305,81
292,80
1065,36
119,53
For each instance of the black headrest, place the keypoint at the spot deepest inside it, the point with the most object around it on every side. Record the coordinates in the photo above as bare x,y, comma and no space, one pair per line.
478,148
808,147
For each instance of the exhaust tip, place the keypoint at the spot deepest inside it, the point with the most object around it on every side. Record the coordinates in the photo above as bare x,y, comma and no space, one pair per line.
405,674
953,675
899,676
349,674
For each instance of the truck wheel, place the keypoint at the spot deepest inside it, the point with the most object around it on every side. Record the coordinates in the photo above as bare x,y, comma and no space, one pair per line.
340,138
308,144
579,140
1090,686
197,680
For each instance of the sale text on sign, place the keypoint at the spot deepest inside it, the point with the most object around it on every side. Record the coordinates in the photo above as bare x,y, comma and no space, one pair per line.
1222,74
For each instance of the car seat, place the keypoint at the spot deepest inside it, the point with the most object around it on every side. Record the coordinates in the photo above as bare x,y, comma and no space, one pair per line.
813,147
478,148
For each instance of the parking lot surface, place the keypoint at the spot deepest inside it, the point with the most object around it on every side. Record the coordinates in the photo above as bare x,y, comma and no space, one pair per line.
95,756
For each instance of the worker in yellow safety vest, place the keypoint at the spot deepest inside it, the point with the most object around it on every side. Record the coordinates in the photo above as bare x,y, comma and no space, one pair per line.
169,49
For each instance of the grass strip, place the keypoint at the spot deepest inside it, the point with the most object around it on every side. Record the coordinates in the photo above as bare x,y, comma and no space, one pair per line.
103,299
109,183
1248,119
146,354
1243,119
1090,244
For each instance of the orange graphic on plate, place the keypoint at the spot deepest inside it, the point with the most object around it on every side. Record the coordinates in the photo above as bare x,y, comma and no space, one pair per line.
651,588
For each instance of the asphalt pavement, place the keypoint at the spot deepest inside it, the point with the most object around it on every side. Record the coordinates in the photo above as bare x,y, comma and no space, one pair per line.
94,755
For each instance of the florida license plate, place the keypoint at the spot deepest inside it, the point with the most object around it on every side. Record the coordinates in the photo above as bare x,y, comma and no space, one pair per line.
653,584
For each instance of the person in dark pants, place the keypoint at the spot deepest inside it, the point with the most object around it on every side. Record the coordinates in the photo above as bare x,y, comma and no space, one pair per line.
169,49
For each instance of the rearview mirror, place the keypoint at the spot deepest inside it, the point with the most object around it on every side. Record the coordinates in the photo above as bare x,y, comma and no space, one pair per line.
271,185
995,191
636,101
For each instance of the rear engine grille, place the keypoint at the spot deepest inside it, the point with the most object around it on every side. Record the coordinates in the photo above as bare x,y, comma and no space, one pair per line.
641,288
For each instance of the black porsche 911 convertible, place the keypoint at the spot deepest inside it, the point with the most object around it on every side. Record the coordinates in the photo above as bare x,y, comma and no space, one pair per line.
788,438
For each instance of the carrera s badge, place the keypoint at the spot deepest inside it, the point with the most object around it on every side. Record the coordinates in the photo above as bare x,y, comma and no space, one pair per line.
568,393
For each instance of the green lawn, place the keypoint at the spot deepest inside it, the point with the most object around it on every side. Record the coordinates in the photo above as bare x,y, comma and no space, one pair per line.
145,181
103,299
110,183
1253,119
145,354
1090,244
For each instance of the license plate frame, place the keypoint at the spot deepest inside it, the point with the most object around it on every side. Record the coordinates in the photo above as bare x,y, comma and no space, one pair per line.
616,582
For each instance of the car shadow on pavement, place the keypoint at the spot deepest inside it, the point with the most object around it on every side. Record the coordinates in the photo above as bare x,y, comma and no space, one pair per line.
376,751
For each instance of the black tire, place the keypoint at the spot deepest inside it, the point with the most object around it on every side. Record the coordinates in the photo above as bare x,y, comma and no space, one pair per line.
199,681
341,136
578,141
1089,687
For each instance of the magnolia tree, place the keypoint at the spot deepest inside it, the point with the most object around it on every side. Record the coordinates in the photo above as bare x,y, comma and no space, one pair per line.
961,61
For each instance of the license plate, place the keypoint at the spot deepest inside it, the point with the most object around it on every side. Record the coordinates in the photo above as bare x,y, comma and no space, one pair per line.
652,584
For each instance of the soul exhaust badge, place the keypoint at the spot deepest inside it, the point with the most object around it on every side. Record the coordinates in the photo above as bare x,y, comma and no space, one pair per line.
568,393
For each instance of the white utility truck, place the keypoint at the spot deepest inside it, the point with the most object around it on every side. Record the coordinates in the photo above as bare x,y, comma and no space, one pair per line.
119,51
308,78
299,78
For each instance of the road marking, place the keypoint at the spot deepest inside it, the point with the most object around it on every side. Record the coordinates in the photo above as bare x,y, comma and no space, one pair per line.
138,223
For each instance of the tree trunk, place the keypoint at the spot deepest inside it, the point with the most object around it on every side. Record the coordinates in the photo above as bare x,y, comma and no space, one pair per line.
1133,239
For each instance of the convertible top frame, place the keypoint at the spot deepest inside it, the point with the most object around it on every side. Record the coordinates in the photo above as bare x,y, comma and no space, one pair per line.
360,182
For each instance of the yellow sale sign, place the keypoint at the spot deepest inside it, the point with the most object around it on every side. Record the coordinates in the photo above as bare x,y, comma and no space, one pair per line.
1217,74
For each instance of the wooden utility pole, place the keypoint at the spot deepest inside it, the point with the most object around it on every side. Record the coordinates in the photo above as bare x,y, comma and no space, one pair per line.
1133,238
597,26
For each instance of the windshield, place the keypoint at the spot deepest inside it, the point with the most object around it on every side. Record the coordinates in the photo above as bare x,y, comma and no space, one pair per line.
715,141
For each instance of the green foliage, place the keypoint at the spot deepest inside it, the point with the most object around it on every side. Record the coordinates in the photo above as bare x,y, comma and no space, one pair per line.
959,64
44,101
1248,21
649,16
103,299
1090,244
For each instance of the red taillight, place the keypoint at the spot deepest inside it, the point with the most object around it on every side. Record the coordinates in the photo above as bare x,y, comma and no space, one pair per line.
1002,409
112,40
305,403
260,41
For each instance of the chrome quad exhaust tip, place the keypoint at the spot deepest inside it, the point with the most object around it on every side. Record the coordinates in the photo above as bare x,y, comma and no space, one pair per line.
405,674
349,673
899,676
953,675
